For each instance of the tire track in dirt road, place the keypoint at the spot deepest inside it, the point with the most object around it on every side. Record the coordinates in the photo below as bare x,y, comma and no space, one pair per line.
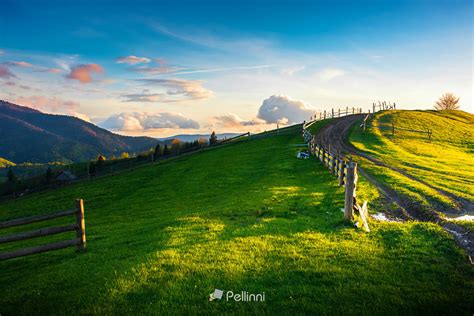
336,133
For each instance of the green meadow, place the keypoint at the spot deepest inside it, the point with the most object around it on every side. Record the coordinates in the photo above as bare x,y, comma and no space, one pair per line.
244,217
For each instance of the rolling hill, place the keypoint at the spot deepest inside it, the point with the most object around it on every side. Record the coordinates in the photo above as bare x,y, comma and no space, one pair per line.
162,237
28,135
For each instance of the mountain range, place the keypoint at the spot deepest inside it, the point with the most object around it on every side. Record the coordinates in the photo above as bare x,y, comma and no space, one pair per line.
28,135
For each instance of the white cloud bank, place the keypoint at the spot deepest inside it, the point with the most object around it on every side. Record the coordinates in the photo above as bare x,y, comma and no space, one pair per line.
284,110
140,121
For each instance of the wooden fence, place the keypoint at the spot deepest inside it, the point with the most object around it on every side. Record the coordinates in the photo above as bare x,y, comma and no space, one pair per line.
346,173
79,226
428,132
380,106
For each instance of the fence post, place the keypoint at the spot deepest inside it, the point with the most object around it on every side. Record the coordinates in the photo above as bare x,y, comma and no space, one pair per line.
349,188
347,110
339,112
81,225
353,111
341,171
324,114
373,107
332,112
394,106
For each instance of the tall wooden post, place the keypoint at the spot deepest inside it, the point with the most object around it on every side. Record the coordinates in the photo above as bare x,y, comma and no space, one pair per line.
347,110
81,225
394,106
332,112
339,112
324,114
353,110
349,188
373,107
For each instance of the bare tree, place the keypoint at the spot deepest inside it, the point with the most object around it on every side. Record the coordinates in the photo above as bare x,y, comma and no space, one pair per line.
448,101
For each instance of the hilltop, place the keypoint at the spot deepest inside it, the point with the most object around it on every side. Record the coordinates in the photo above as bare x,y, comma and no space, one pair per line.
28,135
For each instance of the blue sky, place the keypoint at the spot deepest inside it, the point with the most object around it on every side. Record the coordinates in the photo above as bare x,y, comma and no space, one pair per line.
165,67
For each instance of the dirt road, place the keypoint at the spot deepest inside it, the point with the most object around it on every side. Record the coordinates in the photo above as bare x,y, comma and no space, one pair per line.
335,136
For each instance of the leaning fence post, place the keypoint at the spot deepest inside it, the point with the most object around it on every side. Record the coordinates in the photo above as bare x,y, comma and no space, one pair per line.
81,225
349,188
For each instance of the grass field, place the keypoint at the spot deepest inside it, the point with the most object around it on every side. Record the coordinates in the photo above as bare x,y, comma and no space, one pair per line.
446,161
247,217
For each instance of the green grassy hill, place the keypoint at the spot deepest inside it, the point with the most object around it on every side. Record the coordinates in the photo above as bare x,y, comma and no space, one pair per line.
244,217
444,163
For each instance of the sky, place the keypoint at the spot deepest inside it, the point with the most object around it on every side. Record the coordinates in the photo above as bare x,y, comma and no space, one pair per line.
160,68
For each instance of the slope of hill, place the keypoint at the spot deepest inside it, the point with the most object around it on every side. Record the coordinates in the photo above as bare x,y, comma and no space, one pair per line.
245,217
439,170
28,135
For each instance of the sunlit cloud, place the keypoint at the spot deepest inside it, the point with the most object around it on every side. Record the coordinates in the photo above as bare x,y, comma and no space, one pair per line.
23,64
52,105
50,70
83,73
132,60
141,121
143,97
158,70
5,73
190,89
284,110
290,71
328,74
234,121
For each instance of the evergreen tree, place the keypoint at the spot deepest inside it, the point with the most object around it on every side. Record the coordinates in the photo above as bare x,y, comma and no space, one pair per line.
11,176
49,175
166,150
157,152
213,138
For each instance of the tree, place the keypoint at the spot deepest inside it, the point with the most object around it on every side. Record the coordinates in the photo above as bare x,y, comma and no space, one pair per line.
166,150
157,152
213,138
11,176
448,101
49,175
101,158
124,155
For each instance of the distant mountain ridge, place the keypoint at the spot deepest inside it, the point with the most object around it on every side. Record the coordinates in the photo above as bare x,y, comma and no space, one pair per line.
28,135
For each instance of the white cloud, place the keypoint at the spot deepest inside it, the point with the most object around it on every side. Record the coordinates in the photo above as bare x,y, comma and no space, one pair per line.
290,71
328,74
284,110
139,121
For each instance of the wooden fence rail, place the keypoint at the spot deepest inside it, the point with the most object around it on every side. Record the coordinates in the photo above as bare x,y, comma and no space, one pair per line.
79,226
346,173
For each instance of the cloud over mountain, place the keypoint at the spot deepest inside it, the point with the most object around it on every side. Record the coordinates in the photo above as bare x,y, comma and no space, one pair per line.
285,110
233,120
139,121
